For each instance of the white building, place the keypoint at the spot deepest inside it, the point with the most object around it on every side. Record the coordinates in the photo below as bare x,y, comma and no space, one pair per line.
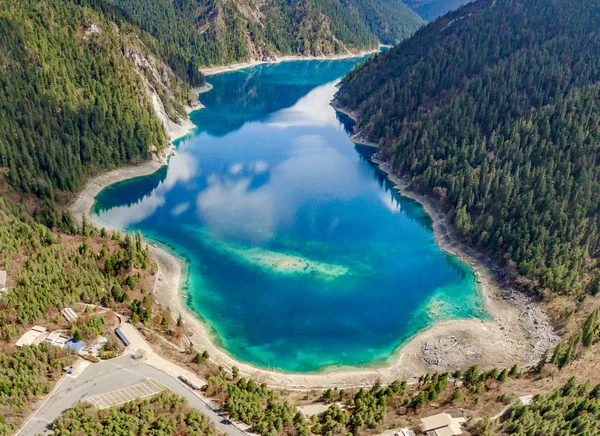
57,339
3,289
33,336
69,314
442,424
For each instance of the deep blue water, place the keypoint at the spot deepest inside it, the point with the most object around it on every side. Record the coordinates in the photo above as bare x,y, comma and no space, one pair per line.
301,256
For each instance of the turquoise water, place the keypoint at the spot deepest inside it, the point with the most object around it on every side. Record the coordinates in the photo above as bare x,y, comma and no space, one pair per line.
301,256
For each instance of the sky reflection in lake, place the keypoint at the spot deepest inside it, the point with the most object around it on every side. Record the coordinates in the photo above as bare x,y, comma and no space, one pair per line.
301,256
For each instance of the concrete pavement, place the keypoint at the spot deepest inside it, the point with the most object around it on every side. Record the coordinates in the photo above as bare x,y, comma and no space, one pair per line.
139,344
134,392
113,374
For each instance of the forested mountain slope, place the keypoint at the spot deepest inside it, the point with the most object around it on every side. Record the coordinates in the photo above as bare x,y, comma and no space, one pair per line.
48,271
390,20
74,93
217,32
431,9
495,110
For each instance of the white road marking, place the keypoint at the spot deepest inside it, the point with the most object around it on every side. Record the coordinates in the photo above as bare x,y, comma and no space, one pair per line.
124,395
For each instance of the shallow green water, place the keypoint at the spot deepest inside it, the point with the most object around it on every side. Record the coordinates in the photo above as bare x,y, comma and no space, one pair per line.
300,254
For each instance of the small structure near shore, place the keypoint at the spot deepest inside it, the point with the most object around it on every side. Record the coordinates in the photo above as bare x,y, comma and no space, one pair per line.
57,338
442,424
34,336
526,400
122,336
69,314
3,288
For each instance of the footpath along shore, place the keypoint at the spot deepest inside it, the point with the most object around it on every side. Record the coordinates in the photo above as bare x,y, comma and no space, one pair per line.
519,331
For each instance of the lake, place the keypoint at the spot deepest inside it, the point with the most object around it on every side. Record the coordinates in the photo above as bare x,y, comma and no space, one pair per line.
301,255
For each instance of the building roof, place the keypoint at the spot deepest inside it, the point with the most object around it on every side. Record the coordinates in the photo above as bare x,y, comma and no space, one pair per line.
442,424
75,346
31,336
2,278
447,430
122,336
436,421
57,339
69,314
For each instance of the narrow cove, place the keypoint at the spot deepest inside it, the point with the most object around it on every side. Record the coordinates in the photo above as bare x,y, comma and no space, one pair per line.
301,255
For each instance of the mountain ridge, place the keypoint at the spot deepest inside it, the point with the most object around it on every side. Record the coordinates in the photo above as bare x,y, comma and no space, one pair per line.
220,32
432,9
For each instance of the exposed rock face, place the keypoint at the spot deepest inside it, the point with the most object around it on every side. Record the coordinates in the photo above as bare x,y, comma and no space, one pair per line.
90,30
170,98
165,91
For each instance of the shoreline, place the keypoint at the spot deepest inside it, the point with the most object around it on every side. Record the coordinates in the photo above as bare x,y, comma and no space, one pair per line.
500,298
84,200
182,128
211,71
356,136
519,331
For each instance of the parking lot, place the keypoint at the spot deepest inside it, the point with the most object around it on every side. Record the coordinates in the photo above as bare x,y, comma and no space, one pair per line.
116,375
144,389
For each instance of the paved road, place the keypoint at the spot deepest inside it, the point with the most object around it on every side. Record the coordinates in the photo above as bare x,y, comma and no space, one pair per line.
124,395
108,376
139,344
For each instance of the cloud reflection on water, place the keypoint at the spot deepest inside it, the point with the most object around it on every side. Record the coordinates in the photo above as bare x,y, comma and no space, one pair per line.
311,110
389,201
230,207
251,200
259,195
183,167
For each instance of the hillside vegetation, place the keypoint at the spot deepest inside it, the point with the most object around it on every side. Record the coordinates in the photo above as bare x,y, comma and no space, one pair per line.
48,271
217,32
431,9
165,414
494,111
74,93
570,410
390,20
25,376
